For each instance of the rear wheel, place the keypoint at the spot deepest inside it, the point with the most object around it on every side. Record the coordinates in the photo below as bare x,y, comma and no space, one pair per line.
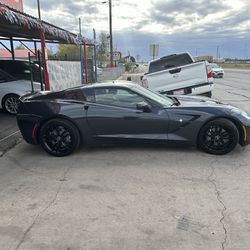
10,103
59,137
218,137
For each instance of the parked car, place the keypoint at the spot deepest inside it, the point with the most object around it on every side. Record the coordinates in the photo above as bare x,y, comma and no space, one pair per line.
217,70
20,69
11,89
179,74
128,113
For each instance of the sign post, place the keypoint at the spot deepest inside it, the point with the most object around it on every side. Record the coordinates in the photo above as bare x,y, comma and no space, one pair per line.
154,50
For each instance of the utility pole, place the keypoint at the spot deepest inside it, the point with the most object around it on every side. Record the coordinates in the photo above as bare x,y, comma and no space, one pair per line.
81,52
217,52
95,66
110,33
38,8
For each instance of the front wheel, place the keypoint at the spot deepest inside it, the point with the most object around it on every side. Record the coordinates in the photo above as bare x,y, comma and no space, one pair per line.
218,137
10,103
59,137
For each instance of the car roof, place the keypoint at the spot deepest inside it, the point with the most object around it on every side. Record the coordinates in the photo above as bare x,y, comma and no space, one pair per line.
15,60
111,83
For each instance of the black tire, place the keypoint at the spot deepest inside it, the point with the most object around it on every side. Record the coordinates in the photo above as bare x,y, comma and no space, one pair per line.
218,137
59,137
10,103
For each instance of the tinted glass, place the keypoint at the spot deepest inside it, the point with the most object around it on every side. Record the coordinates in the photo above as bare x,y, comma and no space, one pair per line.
169,62
5,77
117,97
73,94
14,67
153,96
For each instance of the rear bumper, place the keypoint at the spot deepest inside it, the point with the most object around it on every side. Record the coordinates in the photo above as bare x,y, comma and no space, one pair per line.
192,90
28,125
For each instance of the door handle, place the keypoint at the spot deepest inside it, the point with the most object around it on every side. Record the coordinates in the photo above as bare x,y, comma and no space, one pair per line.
86,107
174,71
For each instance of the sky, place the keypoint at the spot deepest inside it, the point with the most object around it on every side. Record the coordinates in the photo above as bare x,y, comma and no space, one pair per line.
201,27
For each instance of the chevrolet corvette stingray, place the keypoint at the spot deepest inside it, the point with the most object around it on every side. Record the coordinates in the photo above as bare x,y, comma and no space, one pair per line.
107,113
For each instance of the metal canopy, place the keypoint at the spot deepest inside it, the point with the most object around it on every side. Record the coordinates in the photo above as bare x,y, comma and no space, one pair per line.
16,25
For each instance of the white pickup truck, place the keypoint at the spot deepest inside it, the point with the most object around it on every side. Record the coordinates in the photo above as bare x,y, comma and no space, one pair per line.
179,74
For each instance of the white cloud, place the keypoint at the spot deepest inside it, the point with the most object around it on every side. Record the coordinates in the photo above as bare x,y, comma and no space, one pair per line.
137,23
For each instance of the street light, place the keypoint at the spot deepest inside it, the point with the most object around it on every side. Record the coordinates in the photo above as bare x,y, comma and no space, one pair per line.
110,32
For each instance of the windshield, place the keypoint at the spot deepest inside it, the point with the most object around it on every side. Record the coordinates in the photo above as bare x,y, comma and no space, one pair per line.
169,62
6,77
214,65
161,99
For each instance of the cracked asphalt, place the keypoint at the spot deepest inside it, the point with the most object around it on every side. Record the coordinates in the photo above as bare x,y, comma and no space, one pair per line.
129,198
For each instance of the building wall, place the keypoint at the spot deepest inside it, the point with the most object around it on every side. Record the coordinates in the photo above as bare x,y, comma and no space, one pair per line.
63,74
17,4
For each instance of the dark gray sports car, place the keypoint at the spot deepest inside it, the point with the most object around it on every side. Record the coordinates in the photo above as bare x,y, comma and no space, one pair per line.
127,113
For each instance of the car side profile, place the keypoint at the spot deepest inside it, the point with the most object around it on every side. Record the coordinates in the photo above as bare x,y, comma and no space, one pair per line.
128,113
11,89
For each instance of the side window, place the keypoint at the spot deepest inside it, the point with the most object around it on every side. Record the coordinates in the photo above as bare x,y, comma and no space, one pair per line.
89,94
2,78
170,62
75,95
26,66
120,97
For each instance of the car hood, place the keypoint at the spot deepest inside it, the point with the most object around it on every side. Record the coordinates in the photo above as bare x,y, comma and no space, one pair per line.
217,69
197,101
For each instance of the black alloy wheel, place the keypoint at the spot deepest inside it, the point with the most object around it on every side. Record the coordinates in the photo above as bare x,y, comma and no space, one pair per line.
10,103
218,137
59,137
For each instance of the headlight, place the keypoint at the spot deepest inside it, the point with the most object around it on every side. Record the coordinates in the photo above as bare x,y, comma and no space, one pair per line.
245,115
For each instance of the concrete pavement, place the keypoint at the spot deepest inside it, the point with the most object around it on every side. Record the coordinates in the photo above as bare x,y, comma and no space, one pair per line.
127,198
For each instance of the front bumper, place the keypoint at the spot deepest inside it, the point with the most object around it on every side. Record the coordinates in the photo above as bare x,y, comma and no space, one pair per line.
218,74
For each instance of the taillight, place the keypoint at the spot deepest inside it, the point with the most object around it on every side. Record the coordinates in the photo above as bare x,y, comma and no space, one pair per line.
144,83
34,132
209,71
210,74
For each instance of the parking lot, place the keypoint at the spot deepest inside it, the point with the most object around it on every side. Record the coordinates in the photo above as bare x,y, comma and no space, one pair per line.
127,197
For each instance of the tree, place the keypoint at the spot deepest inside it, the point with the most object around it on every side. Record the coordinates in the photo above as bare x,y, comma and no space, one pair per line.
20,46
72,52
68,52
102,49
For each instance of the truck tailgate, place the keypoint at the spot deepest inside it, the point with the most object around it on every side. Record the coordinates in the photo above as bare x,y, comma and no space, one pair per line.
178,78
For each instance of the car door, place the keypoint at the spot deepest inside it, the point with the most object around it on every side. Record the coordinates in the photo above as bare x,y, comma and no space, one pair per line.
115,115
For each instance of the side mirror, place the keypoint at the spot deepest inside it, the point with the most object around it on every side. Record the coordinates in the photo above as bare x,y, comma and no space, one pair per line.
143,106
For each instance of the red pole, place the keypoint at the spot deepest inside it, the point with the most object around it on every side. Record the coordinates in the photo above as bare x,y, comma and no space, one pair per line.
45,70
85,63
